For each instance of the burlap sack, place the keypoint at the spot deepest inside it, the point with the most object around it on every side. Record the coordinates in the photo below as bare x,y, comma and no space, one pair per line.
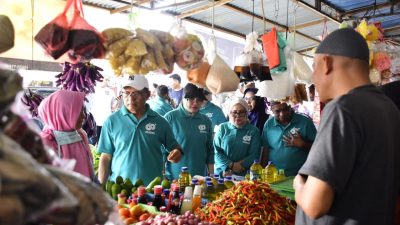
221,78
198,75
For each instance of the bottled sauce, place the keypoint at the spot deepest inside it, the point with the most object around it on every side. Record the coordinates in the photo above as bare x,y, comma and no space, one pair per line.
247,176
215,179
158,201
196,201
184,179
220,186
207,179
280,175
270,171
175,201
134,199
228,182
187,202
141,192
209,192
256,171
165,196
121,199
194,183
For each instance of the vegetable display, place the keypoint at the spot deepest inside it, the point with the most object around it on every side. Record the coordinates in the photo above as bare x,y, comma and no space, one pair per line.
172,219
249,203
32,100
80,77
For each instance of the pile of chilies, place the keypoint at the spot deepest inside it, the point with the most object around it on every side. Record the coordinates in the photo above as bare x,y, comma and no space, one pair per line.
249,203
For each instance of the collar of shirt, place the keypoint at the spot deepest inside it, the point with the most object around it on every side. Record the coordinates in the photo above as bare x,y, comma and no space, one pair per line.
158,98
233,127
185,113
124,111
295,118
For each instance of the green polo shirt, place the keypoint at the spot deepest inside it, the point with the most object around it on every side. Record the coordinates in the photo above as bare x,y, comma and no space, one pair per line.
160,105
135,144
214,113
194,135
234,144
288,158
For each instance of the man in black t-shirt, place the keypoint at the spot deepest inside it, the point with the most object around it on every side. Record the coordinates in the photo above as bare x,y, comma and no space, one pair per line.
352,173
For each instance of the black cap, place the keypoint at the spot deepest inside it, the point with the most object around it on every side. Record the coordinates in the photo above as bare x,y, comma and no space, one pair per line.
254,90
345,42
192,91
176,77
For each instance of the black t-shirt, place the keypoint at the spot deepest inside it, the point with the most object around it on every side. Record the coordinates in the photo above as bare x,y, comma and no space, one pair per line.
357,152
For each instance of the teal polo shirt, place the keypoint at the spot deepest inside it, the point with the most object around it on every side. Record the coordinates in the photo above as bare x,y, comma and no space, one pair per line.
160,105
234,144
135,144
194,135
288,158
214,113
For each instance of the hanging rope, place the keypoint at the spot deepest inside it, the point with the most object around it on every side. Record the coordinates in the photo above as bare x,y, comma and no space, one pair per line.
294,26
32,37
213,14
263,13
252,19
276,13
287,18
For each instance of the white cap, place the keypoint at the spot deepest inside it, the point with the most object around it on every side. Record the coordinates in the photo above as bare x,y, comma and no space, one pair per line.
188,192
138,82
240,101
197,190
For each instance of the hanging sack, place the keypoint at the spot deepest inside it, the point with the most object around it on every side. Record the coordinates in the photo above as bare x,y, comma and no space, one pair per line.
270,45
221,77
6,34
53,37
198,76
85,41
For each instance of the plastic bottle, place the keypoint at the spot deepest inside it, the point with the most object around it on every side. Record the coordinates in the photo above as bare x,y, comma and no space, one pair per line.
280,175
184,179
247,176
194,183
220,186
270,171
165,195
207,179
256,171
141,195
209,193
175,201
158,201
196,201
228,182
215,179
187,202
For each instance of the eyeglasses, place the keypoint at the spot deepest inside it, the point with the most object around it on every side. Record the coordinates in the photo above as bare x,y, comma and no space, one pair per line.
197,100
238,113
250,98
133,94
283,110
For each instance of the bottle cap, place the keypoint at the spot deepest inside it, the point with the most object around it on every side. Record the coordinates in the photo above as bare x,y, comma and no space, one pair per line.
208,179
141,191
195,181
188,192
220,181
197,190
210,184
158,190
184,169
228,178
216,176
256,161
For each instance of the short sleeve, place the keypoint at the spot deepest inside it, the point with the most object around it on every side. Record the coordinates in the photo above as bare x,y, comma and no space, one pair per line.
333,153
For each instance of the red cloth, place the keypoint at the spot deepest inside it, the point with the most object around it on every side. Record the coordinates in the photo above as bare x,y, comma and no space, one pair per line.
270,45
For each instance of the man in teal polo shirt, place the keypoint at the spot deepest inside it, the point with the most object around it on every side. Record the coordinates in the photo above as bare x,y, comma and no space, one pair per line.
287,138
131,138
193,132
160,103
213,112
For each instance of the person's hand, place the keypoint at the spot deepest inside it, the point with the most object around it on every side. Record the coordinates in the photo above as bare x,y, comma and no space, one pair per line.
293,140
237,167
174,156
228,173
298,182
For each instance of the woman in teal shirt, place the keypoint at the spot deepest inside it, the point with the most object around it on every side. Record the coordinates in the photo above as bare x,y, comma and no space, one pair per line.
237,143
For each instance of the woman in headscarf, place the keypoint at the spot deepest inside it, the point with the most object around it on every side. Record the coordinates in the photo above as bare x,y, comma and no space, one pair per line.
62,114
237,143
257,114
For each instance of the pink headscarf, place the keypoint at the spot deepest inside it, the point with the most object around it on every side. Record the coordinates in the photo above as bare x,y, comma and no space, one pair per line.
60,111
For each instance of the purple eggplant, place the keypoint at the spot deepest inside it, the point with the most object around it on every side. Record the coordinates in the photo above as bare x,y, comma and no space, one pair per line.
32,100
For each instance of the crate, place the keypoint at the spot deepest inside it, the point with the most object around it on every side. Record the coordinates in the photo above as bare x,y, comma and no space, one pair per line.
284,187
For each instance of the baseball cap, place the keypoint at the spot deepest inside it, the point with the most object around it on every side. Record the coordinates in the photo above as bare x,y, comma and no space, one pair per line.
345,42
192,91
139,82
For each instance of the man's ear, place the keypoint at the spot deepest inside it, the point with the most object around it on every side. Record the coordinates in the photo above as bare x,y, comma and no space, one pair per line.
327,62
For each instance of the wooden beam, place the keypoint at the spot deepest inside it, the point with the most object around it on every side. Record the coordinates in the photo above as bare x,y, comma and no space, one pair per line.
314,10
127,7
308,24
248,13
203,8
216,27
370,7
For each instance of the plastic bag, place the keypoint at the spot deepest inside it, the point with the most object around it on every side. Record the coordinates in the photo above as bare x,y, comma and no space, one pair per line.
270,44
85,41
302,71
198,75
53,37
221,77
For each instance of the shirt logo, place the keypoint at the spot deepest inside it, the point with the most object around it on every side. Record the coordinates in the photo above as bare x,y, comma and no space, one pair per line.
202,128
247,139
294,130
209,115
150,127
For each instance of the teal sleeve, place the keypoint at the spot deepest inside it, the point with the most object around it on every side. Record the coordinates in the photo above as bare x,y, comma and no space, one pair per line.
254,151
106,143
210,149
220,156
169,141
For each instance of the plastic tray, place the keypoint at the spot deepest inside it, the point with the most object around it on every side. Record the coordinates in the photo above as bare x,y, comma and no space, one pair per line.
284,187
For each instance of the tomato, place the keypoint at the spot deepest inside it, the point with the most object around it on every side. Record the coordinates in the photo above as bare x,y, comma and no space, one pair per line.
129,221
144,217
124,212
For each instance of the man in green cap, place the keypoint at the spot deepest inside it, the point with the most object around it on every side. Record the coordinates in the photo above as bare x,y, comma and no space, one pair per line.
352,173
